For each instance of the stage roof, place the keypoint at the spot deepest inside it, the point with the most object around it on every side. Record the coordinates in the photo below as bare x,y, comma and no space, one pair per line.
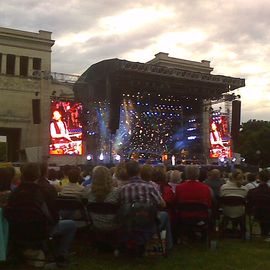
115,76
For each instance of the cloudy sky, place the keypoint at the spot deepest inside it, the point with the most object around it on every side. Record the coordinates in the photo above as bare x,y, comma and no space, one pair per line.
233,34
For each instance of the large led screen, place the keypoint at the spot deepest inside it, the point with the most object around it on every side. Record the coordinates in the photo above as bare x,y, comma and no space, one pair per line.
220,141
65,128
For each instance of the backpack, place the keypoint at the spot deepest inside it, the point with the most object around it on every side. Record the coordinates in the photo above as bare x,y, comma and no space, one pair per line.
138,216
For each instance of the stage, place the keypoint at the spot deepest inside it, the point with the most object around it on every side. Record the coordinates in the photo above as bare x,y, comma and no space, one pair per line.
147,111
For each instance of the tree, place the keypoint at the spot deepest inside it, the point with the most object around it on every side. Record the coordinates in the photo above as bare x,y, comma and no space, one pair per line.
254,142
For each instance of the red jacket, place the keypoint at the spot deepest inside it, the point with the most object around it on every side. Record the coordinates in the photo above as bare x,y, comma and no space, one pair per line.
193,191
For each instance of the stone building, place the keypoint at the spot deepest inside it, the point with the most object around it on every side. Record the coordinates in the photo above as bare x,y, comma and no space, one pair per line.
27,86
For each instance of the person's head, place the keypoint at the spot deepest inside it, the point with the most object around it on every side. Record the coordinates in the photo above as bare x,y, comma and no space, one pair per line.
214,126
192,172
65,169
74,175
56,115
159,175
52,174
101,183
214,174
121,172
175,176
264,176
168,175
30,172
60,175
146,172
133,168
87,171
237,177
250,177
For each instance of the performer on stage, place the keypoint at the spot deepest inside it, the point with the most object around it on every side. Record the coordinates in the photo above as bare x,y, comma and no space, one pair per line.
215,136
58,129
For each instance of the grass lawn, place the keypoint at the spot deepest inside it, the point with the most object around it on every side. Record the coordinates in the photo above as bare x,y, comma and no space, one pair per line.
230,255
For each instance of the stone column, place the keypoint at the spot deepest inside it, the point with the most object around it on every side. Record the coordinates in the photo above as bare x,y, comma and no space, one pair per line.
4,64
30,67
17,65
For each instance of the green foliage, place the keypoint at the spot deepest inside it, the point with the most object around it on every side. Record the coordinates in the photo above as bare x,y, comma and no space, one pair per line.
254,142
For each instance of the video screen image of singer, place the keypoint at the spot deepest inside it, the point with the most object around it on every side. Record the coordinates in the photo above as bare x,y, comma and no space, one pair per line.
65,128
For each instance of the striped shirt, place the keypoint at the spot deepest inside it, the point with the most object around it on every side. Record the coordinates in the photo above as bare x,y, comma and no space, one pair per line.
72,190
231,189
138,190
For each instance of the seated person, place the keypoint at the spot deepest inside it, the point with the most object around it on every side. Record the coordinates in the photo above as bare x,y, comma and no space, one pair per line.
234,187
27,204
214,181
141,191
258,196
192,190
251,181
175,179
73,189
166,191
87,176
120,175
6,177
103,191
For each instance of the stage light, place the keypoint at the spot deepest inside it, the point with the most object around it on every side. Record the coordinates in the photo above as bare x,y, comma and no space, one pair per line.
222,159
89,157
173,160
233,159
117,157
101,156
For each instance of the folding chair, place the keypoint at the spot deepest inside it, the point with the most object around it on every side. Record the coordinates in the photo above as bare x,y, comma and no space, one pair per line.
259,213
99,235
140,223
233,201
194,217
73,208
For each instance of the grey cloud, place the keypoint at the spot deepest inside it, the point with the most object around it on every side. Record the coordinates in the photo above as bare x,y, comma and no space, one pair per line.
234,24
59,16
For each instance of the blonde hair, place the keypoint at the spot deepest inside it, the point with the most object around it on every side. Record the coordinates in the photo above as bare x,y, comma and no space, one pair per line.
102,183
237,177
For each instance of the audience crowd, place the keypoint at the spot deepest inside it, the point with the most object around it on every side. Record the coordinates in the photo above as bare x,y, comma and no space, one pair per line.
31,193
